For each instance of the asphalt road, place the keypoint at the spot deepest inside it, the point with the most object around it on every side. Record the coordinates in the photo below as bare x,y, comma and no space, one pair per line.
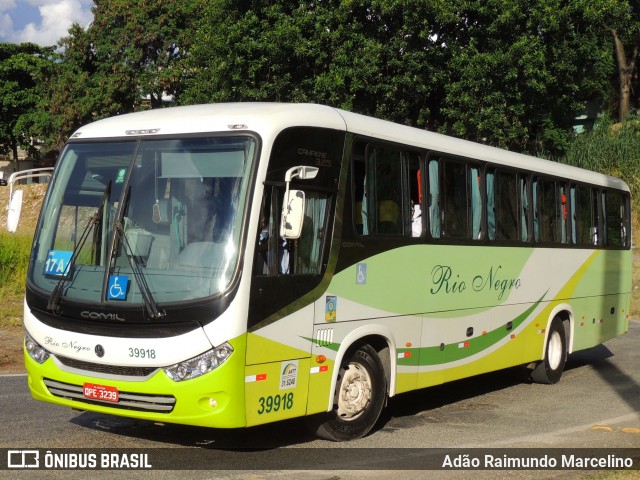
596,405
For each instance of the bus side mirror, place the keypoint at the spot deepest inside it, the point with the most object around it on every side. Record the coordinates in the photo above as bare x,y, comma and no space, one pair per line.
292,214
15,206
294,202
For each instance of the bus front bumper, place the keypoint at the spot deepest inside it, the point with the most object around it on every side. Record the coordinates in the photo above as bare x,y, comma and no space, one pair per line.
215,399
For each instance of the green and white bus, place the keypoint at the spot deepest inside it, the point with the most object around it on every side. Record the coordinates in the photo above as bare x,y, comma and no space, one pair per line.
231,265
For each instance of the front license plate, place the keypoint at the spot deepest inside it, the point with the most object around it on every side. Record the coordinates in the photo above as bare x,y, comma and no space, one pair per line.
100,392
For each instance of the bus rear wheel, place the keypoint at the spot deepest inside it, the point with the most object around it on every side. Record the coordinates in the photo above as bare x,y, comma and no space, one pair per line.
359,398
549,370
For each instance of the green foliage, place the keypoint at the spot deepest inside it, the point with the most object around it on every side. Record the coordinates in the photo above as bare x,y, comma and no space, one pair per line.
521,70
127,59
510,73
382,58
20,69
613,149
14,261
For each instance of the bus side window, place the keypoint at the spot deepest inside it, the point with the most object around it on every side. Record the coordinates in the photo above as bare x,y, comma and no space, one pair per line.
476,202
359,186
535,194
595,218
584,215
307,250
491,204
384,193
549,215
573,216
273,253
615,219
434,198
525,210
412,196
563,213
506,206
265,255
455,213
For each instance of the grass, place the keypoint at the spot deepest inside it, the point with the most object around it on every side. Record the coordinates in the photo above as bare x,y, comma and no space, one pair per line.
14,260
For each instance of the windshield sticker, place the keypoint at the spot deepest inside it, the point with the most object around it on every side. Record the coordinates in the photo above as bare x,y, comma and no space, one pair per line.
57,263
118,287
121,174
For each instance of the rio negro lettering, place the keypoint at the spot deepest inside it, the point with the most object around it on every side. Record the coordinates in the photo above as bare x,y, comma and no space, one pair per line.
446,281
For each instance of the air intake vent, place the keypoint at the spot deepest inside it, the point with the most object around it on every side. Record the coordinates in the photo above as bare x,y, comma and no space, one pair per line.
106,369
127,401
324,337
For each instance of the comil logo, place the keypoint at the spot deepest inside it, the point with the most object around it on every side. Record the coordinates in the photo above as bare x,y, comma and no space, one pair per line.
23,459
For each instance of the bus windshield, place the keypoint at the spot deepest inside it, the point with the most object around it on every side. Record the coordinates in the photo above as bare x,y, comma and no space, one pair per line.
126,221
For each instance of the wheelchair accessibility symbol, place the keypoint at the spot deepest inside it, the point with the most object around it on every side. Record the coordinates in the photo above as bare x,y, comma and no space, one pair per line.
117,289
361,274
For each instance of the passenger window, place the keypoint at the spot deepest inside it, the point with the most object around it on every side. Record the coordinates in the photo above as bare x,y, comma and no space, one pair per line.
563,212
547,224
455,220
413,182
596,230
276,255
583,206
476,202
455,205
384,194
307,251
435,226
616,224
387,191
505,206
525,210
272,253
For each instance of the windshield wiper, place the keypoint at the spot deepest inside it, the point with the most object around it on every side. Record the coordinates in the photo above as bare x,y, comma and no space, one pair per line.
153,310
53,304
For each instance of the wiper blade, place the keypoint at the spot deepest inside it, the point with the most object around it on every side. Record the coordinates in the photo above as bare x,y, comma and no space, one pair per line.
151,306
53,304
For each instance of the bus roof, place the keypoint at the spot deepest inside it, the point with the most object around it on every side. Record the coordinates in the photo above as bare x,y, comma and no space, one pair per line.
267,119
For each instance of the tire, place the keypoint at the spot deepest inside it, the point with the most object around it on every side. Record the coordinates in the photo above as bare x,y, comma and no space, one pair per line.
549,370
359,398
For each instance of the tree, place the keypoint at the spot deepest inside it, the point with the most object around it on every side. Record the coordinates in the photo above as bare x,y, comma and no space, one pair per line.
523,70
622,19
512,73
138,46
20,66
383,58
126,60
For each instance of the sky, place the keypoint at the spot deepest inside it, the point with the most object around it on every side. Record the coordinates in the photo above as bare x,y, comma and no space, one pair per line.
43,22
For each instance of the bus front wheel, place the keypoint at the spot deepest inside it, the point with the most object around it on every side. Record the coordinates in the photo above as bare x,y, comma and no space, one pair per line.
359,397
549,370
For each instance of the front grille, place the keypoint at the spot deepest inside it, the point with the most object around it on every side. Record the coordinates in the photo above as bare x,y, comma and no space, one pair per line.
127,401
107,369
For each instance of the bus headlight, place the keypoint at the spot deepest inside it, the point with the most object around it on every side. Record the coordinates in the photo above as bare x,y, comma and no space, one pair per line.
34,350
199,365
